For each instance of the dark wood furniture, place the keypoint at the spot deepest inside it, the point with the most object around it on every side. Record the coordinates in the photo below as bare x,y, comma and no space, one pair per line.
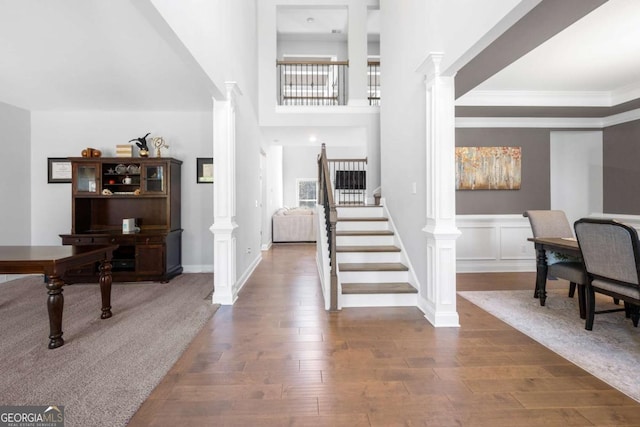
611,253
109,189
567,246
54,262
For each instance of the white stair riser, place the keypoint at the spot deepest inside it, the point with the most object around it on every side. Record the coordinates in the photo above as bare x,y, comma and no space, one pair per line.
364,240
355,257
379,300
376,212
362,225
373,276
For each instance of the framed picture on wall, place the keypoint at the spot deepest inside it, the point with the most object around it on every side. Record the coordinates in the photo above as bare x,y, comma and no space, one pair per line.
204,169
58,170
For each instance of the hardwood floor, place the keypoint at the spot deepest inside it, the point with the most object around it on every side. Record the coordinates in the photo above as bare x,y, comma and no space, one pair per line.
278,358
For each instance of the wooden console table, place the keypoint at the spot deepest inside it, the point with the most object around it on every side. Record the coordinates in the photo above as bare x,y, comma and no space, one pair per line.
53,262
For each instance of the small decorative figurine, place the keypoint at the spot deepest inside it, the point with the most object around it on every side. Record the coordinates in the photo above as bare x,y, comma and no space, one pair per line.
91,152
159,144
142,145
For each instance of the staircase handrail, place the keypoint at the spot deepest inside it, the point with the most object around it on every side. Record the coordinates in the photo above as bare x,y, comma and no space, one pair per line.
331,218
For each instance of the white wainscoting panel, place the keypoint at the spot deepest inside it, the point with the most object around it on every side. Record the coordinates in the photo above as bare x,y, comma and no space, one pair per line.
494,243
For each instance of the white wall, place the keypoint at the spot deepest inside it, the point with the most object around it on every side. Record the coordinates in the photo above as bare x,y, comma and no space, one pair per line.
274,194
248,211
451,27
461,29
301,162
66,134
221,36
305,47
576,173
15,179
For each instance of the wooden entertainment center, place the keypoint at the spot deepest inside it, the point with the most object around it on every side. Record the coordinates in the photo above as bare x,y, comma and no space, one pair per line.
106,190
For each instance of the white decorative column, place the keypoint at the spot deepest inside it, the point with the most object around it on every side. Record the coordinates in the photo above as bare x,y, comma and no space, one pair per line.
438,300
224,197
357,49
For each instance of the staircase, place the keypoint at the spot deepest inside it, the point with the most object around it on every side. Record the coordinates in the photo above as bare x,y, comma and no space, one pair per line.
372,269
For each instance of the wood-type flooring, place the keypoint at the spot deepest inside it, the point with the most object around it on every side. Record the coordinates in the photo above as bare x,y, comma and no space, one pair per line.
277,358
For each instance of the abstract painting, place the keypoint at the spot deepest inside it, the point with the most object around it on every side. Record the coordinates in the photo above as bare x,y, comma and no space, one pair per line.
488,168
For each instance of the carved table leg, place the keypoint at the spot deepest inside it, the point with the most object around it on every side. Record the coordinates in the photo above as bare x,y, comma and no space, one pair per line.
541,275
105,288
55,304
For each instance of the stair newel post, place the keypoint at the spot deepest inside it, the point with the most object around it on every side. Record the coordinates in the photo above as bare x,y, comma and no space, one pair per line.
331,218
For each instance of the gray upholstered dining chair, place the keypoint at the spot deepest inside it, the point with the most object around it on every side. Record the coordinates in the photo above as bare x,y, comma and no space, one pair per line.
611,255
554,223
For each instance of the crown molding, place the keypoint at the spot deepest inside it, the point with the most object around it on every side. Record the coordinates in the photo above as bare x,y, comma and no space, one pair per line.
625,94
616,119
548,122
495,98
529,122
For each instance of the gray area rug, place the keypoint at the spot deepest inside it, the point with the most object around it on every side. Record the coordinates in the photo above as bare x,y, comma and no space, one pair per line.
610,352
106,368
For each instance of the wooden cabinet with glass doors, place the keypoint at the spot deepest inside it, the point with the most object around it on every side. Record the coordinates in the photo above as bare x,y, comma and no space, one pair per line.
105,191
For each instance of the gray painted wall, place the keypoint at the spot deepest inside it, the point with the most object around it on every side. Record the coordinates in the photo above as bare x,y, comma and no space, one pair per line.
621,174
535,189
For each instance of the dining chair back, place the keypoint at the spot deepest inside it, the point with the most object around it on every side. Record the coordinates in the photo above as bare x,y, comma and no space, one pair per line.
549,223
611,255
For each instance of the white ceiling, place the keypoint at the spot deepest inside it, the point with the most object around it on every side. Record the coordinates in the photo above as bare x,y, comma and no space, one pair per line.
105,55
317,23
598,55
90,54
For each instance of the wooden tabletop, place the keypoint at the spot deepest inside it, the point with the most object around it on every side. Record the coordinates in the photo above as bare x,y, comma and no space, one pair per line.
559,242
44,253
44,259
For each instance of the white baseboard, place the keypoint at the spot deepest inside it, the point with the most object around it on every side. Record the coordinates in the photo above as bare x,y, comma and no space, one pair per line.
245,276
195,268
9,277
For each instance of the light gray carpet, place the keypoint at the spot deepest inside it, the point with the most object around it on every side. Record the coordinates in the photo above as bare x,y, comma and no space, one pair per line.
106,368
610,352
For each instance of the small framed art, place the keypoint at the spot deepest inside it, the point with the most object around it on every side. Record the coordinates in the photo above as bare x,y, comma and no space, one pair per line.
58,170
204,170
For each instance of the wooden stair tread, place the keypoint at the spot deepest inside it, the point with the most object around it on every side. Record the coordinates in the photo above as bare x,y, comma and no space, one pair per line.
372,266
363,218
364,233
354,205
368,248
378,288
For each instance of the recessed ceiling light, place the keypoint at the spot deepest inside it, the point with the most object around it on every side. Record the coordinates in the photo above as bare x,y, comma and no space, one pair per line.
310,20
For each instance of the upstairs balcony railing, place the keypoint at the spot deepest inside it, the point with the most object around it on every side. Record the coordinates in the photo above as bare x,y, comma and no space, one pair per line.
312,82
348,180
373,82
322,82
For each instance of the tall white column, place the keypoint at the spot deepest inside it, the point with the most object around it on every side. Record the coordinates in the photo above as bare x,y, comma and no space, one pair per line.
438,300
357,48
224,197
